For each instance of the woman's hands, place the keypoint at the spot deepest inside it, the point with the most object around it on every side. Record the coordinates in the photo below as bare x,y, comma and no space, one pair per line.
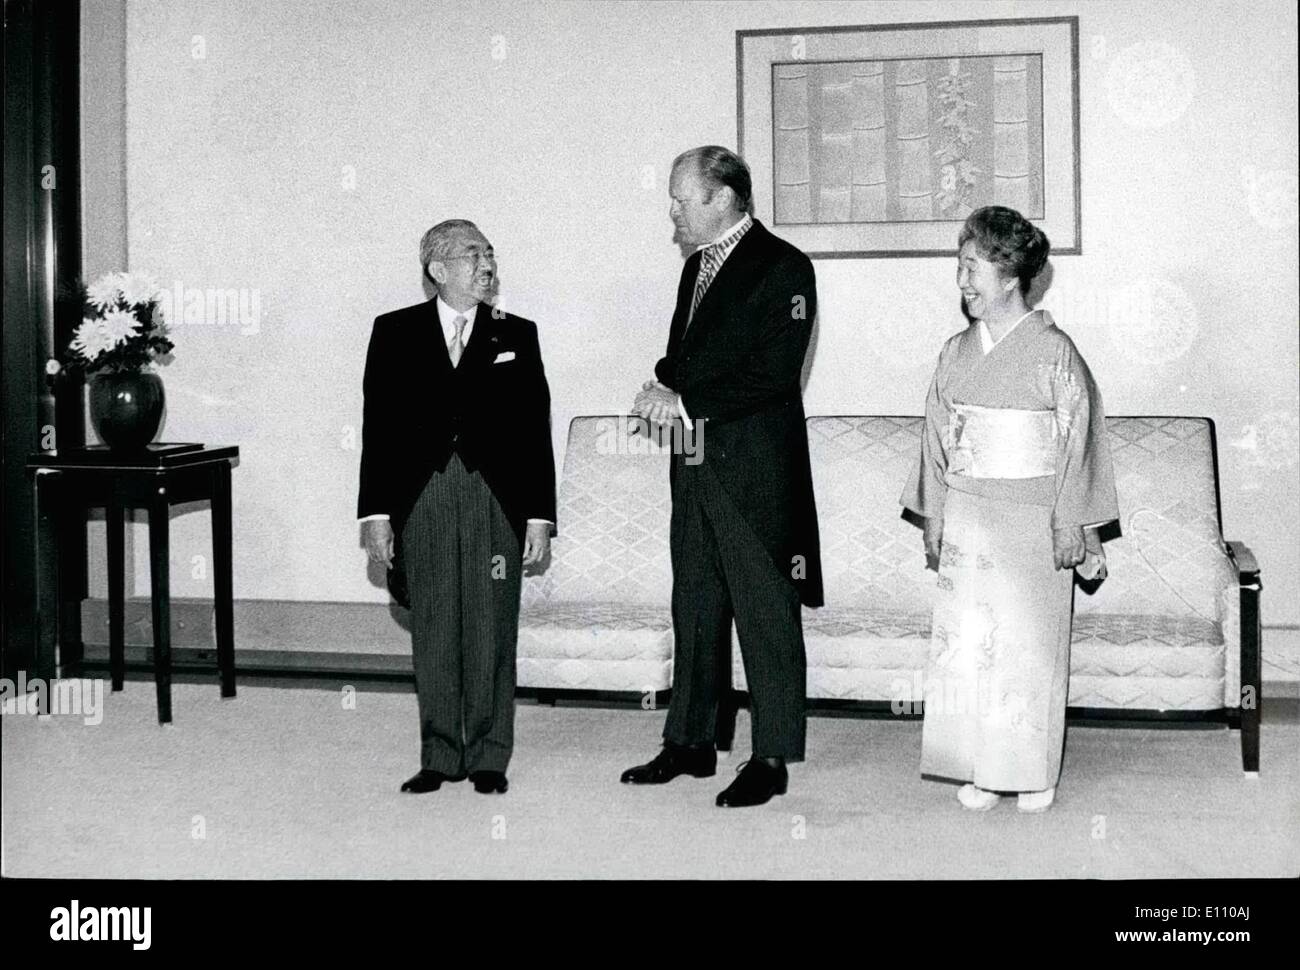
1068,547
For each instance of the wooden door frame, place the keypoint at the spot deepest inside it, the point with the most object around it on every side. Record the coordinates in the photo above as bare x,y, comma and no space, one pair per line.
42,271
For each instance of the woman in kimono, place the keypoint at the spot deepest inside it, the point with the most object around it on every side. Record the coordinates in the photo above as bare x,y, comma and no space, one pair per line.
1014,479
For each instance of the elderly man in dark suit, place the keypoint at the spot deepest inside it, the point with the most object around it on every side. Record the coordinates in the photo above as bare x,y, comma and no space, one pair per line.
457,494
744,540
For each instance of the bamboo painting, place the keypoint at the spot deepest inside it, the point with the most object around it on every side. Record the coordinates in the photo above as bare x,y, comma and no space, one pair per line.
916,140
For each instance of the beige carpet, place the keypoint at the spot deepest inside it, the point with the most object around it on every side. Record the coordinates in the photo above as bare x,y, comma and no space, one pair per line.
289,783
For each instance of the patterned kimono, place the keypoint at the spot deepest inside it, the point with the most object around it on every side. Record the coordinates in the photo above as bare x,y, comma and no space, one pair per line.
1014,446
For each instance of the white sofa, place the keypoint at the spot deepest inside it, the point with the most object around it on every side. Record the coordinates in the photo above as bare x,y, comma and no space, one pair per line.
1172,633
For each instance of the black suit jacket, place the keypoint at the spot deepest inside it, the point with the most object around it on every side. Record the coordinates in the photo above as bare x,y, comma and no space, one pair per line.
737,367
495,413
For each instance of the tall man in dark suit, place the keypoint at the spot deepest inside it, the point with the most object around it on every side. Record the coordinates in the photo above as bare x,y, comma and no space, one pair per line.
458,491
743,538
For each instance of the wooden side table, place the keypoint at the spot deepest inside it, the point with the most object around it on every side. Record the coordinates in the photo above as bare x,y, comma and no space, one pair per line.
154,479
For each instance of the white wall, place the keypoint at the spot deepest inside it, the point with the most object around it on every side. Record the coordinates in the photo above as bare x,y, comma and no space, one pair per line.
305,152
103,202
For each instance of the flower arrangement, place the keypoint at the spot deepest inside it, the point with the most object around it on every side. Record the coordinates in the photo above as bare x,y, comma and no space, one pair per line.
122,329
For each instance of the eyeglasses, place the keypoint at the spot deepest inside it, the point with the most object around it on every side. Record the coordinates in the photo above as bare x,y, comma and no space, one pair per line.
478,256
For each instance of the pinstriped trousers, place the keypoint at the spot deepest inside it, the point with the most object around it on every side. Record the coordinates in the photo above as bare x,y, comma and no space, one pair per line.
463,570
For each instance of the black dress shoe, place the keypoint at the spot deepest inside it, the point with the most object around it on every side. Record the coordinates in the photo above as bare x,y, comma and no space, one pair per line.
489,782
672,761
757,783
427,780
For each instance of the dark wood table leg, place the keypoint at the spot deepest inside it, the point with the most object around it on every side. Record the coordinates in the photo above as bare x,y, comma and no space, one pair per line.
222,580
72,577
113,520
160,593
48,488
1251,677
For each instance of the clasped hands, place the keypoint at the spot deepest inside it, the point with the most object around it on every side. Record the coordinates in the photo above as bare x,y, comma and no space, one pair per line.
656,403
377,536
1068,544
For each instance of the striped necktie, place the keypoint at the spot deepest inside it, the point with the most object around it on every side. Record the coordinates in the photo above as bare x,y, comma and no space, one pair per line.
457,345
710,263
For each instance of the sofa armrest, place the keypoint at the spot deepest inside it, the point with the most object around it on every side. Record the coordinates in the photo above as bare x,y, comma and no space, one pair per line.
1243,560
1248,582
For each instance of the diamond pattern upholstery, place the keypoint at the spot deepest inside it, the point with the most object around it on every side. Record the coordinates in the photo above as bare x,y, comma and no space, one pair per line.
871,556
600,616
613,508
1162,632
1171,559
1170,578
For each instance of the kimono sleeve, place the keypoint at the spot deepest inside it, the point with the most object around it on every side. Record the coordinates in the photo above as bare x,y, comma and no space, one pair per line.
1085,477
926,489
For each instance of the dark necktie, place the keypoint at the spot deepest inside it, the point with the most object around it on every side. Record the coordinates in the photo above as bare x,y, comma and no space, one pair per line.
710,263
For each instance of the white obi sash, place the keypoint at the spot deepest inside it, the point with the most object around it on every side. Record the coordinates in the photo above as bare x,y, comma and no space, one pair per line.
1001,442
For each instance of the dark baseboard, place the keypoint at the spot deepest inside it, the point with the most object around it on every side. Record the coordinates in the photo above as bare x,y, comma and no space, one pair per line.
367,645
320,670
265,626
261,663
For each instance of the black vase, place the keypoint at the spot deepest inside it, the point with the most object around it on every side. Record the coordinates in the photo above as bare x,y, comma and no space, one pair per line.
126,408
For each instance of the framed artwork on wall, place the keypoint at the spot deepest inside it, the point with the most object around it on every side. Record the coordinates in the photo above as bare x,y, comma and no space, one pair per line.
879,140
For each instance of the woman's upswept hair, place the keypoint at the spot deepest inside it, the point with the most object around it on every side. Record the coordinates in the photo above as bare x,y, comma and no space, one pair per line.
1008,240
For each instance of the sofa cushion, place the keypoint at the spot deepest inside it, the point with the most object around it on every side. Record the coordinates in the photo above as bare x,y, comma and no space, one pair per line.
857,654
1152,661
595,646
1146,661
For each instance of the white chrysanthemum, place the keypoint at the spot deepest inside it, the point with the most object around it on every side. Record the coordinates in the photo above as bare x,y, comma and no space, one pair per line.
52,367
105,291
92,339
120,324
138,288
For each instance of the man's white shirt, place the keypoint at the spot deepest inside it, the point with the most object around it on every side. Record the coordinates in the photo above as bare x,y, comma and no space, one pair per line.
745,220
447,317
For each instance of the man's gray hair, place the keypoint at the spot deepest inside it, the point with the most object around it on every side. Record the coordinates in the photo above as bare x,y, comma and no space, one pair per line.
436,243
720,166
